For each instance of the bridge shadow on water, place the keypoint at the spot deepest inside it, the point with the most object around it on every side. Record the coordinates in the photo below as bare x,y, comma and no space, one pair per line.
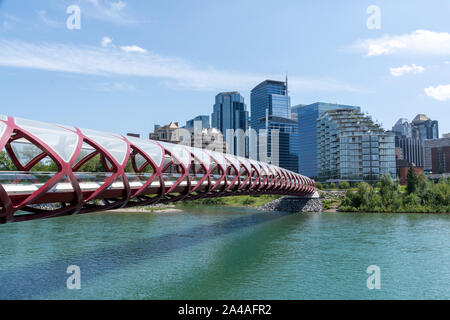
41,279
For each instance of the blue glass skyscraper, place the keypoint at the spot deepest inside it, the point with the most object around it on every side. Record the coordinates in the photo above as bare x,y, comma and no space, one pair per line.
271,110
307,134
203,120
230,113
269,96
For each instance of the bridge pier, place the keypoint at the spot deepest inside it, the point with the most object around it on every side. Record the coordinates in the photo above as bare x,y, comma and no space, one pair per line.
295,204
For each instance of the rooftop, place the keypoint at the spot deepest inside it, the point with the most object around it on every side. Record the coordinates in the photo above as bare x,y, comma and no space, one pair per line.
420,118
265,82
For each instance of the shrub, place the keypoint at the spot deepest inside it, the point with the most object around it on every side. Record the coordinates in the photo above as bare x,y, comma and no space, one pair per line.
388,197
344,185
248,201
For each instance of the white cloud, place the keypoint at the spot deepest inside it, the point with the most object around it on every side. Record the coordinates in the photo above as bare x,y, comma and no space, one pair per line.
115,86
107,10
441,92
12,18
42,14
111,61
9,21
423,42
400,71
6,25
133,49
106,41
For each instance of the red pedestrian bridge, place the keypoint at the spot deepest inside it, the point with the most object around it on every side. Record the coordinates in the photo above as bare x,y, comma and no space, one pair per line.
50,170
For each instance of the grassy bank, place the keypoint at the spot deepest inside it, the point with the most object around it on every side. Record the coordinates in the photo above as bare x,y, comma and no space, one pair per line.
236,201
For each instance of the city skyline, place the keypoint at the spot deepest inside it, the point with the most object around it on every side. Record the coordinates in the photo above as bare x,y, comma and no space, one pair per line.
340,60
252,152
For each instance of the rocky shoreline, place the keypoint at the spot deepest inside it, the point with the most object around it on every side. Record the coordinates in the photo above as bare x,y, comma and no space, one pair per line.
328,201
289,204
294,204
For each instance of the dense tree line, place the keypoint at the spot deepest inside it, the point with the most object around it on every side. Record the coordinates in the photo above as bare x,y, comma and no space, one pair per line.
421,195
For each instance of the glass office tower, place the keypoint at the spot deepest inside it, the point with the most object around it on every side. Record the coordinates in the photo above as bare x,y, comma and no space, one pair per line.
287,147
271,110
269,97
230,116
410,137
203,120
307,134
425,128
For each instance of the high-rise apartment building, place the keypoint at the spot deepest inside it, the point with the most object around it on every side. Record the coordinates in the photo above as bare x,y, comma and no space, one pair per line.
230,116
411,149
307,134
352,147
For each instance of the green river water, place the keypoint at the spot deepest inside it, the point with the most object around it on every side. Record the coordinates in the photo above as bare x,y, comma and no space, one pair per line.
227,253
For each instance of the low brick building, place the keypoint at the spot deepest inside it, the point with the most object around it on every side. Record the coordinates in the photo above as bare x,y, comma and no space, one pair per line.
402,170
440,160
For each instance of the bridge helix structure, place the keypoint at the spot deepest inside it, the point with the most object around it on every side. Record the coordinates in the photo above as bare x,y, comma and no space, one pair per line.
128,172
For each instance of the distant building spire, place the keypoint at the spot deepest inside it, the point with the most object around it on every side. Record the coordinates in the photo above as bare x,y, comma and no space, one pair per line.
287,92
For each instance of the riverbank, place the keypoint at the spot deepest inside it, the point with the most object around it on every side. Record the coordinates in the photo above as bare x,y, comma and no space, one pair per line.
359,200
161,208
386,197
235,201
294,205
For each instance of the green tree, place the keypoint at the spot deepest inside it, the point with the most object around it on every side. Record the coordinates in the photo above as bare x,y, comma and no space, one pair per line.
412,180
93,165
344,185
5,162
332,185
360,197
389,191
45,165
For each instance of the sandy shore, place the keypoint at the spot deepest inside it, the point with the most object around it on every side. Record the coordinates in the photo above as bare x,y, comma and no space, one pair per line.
144,210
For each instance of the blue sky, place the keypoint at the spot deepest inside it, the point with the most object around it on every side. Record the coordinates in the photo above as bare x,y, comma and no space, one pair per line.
135,63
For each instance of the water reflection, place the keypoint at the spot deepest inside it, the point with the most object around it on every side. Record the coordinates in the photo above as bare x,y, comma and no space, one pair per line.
25,282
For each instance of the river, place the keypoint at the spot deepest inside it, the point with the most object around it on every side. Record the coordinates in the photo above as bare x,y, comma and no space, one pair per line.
227,253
